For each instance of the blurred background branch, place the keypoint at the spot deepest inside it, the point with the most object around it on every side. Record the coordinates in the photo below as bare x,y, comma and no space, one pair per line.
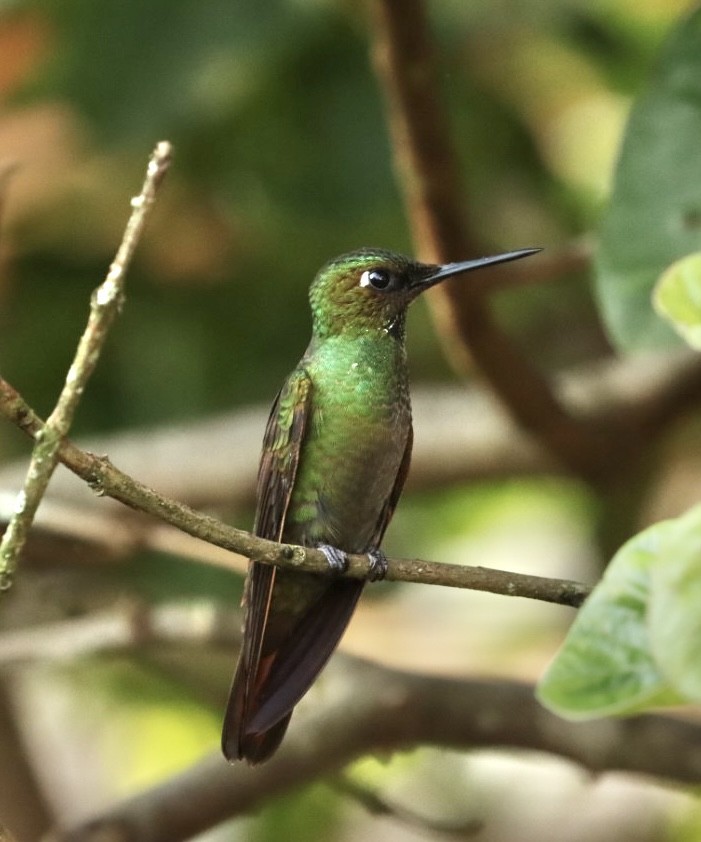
394,711
429,175
505,121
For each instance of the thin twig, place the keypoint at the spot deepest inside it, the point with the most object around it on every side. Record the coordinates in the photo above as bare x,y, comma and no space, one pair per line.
104,478
104,307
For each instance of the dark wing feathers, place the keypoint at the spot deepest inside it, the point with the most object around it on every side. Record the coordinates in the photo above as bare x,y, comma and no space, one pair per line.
276,475
282,444
274,672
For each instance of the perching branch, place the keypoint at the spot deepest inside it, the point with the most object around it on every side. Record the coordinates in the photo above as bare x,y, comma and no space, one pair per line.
396,710
104,307
459,436
104,478
428,173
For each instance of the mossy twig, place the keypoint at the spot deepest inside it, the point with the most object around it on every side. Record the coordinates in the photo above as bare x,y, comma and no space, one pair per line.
104,308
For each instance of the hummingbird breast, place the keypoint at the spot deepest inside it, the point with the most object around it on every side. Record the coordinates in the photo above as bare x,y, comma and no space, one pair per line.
353,449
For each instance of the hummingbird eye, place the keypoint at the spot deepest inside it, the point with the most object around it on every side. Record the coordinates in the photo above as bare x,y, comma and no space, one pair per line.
376,278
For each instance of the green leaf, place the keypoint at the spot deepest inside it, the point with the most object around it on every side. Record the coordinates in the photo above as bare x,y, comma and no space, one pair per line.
654,216
674,615
606,665
677,297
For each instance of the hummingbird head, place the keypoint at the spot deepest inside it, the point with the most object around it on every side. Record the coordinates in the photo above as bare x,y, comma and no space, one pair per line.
372,288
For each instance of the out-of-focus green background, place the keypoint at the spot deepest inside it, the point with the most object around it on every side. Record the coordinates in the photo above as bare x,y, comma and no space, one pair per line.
282,161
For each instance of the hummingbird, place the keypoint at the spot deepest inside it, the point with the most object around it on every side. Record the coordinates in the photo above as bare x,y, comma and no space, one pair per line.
335,456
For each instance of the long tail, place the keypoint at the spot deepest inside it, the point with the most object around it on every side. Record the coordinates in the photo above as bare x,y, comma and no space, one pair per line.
281,657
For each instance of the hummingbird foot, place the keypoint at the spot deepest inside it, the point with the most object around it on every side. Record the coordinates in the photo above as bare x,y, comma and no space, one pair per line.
378,566
337,559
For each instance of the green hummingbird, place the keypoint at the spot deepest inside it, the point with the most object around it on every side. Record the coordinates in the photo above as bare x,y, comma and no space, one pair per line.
336,452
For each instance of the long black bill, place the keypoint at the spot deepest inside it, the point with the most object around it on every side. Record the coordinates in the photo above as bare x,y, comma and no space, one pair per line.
450,269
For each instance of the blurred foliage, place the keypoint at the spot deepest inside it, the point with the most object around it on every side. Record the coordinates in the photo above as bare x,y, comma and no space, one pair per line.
635,643
654,216
156,728
313,814
677,297
282,160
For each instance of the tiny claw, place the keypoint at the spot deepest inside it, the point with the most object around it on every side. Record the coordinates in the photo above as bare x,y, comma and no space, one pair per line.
378,566
337,559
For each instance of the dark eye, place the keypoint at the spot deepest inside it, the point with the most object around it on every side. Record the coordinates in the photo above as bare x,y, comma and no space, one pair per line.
375,278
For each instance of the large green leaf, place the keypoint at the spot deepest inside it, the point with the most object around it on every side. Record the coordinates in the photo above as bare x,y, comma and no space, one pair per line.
674,616
606,665
654,216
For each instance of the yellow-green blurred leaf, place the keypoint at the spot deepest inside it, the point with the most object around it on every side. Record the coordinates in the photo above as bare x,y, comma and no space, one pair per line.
677,297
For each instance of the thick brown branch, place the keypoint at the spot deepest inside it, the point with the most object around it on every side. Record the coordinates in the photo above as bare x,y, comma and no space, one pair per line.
428,173
396,710
424,156
104,478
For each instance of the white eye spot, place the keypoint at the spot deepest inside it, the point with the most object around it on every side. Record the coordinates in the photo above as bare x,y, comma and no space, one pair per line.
378,278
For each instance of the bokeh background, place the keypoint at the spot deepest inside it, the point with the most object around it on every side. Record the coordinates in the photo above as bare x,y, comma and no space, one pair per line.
282,161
